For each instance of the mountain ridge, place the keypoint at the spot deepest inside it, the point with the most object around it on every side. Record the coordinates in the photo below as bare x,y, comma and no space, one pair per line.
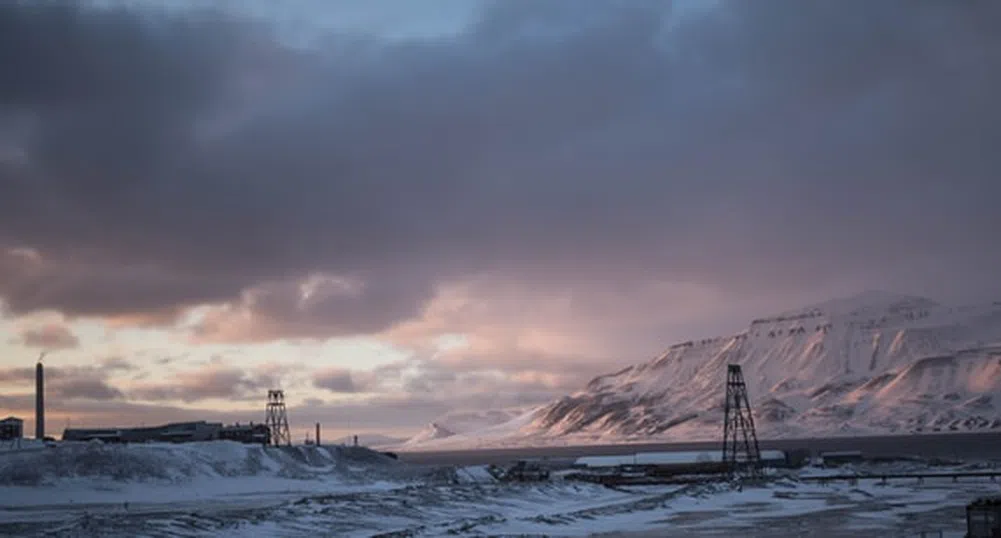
876,362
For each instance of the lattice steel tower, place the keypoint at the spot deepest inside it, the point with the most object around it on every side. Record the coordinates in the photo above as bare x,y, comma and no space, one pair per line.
740,442
276,419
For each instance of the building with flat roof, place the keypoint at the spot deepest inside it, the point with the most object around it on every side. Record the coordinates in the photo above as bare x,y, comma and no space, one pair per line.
258,434
177,432
11,428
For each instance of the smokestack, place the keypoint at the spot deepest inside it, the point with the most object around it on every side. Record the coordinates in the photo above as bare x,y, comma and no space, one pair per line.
39,400
317,434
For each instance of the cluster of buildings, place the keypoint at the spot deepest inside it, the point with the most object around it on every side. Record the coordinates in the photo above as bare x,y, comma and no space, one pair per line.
12,428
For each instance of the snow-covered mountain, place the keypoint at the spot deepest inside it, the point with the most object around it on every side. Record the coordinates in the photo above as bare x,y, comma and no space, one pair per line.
461,427
431,432
465,421
874,363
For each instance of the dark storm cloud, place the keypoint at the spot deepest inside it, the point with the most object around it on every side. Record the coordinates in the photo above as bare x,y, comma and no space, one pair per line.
88,389
495,383
767,146
112,364
335,380
72,382
202,384
31,282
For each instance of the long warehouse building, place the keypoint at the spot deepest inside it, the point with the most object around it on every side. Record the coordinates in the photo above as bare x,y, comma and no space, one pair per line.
178,432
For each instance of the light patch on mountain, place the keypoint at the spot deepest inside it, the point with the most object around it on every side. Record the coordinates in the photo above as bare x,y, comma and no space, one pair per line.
430,432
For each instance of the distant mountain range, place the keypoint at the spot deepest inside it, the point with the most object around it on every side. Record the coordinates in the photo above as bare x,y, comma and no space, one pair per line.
874,363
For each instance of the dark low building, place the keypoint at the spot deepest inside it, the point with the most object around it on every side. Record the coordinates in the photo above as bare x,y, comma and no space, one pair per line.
841,458
983,518
108,435
11,428
177,432
246,433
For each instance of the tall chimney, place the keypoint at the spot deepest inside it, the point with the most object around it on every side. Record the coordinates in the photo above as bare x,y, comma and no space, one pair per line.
39,401
317,434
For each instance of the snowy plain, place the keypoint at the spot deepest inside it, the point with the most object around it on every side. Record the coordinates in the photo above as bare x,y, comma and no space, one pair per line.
225,489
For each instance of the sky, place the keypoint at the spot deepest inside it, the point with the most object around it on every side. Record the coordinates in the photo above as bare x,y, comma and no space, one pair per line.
393,212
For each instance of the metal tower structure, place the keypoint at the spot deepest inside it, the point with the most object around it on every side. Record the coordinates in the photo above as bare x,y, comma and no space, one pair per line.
740,442
276,418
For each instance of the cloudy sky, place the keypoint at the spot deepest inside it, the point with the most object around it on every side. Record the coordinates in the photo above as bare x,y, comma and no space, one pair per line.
392,209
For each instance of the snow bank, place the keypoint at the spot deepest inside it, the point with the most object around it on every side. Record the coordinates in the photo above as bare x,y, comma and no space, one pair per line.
169,463
95,474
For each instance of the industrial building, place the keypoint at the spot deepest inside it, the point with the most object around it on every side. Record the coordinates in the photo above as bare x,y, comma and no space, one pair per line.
179,432
247,433
11,428
983,518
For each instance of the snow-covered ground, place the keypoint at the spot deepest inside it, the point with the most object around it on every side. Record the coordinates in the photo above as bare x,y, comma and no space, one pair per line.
558,509
39,483
225,489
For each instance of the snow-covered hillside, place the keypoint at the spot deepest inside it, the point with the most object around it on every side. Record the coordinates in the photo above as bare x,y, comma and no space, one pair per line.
467,428
431,432
75,472
877,362
874,363
464,421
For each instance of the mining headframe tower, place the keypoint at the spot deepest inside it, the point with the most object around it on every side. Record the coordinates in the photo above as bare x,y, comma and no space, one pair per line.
276,418
741,453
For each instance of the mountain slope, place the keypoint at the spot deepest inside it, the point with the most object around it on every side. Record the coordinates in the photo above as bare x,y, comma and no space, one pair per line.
431,432
877,362
873,363
373,440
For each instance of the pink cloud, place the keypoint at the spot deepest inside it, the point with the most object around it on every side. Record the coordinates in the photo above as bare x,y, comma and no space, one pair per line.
51,336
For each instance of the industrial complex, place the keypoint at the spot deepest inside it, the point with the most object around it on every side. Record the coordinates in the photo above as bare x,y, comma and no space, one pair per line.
740,458
179,432
274,431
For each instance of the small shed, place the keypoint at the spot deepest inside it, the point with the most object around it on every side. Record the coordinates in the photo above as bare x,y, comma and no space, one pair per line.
11,428
983,518
842,457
